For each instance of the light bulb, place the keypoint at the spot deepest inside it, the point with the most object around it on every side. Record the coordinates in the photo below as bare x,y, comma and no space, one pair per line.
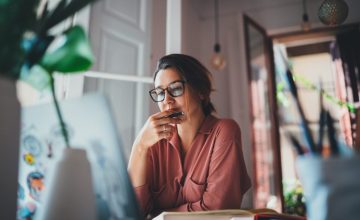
218,61
305,24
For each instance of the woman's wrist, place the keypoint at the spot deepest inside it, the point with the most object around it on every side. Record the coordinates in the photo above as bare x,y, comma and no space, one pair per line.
141,149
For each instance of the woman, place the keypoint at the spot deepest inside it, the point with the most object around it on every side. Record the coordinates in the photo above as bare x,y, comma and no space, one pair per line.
192,162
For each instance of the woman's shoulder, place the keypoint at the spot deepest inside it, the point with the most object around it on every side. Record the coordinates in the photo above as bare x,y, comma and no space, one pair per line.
226,130
227,126
227,123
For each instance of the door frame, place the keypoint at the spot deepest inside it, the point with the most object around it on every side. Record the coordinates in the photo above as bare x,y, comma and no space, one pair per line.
275,138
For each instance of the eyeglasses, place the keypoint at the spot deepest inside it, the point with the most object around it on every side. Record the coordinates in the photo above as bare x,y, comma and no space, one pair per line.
175,89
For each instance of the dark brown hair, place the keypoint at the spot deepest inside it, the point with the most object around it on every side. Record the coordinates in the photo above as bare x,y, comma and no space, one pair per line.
194,73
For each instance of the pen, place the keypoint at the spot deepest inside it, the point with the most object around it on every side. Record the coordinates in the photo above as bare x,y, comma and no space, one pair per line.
174,115
304,124
332,135
296,144
322,121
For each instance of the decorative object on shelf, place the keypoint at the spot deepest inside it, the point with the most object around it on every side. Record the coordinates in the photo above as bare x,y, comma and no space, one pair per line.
217,59
305,23
24,45
333,12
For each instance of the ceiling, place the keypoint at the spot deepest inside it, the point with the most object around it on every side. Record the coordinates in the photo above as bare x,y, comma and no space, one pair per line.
272,14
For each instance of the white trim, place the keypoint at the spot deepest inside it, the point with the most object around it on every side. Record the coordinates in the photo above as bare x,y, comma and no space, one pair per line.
74,85
173,26
129,78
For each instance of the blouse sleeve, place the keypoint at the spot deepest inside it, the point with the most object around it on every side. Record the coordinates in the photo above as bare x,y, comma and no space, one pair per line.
227,179
143,193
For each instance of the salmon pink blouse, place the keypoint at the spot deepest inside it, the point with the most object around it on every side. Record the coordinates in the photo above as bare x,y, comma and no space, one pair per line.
211,176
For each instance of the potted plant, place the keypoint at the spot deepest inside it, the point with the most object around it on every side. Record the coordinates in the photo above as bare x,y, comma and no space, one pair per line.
24,51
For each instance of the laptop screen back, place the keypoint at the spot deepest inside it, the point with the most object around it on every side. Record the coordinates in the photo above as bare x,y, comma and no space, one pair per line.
91,126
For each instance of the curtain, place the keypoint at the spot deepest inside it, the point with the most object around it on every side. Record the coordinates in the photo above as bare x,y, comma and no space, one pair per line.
346,57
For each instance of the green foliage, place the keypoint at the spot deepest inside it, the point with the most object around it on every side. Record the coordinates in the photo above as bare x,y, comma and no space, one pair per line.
71,53
16,17
294,201
281,97
25,38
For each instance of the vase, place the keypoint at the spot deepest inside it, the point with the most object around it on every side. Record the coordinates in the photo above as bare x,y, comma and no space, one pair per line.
9,147
69,193
331,186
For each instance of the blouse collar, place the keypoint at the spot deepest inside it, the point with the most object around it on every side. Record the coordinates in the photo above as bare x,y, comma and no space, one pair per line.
205,128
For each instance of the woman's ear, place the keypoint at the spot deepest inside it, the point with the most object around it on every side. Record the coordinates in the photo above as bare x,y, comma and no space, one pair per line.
201,96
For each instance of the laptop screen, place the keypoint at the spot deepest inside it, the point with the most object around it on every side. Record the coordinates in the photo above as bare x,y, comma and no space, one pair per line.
91,126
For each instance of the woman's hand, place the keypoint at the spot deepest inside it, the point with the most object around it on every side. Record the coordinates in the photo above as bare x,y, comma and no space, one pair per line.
157,127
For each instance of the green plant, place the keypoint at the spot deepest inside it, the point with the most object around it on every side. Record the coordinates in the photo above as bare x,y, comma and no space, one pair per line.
29,52
294,200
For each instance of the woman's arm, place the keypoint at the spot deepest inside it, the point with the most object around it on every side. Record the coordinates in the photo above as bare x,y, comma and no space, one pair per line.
157,127
139,169
137,165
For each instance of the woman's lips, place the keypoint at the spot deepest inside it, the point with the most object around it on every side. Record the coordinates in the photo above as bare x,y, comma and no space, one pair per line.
175,114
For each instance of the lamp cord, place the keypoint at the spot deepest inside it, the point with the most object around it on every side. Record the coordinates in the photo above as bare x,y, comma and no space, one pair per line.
305,16
304,7
216,8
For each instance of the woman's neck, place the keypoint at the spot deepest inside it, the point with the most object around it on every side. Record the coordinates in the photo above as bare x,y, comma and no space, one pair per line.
188,130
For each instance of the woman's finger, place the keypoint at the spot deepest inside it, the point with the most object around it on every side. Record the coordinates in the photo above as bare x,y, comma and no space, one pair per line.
165,129
163,114
166,133
164,121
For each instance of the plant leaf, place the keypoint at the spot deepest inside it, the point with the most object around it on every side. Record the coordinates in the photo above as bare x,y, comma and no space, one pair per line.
69,53
61,13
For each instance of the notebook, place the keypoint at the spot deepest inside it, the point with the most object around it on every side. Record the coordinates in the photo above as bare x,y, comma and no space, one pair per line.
229,214
91,127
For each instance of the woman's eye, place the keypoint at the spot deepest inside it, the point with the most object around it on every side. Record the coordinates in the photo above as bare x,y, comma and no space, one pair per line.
159,92
176,89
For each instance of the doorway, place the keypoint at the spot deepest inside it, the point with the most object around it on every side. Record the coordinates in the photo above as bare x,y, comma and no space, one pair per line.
273,113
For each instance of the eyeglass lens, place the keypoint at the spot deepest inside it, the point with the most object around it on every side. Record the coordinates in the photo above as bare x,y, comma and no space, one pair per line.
175,89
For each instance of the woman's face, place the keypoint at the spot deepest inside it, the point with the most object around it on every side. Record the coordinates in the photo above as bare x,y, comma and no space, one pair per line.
167,77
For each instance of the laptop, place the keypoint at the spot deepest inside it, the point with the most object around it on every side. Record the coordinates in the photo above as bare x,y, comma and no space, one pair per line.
91,127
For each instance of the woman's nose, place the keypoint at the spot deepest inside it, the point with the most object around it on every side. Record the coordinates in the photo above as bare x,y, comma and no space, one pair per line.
168,98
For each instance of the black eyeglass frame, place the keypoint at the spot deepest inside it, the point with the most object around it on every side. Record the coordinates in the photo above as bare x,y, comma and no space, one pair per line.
167,89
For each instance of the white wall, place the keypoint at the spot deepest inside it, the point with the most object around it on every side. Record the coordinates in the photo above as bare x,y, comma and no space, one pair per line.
158,32
231,97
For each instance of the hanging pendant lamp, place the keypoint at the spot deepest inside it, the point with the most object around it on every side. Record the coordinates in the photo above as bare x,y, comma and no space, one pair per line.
217,59
333,12
305,24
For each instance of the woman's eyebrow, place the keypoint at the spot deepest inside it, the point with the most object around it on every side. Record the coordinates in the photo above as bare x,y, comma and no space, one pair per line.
162,87
159,87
